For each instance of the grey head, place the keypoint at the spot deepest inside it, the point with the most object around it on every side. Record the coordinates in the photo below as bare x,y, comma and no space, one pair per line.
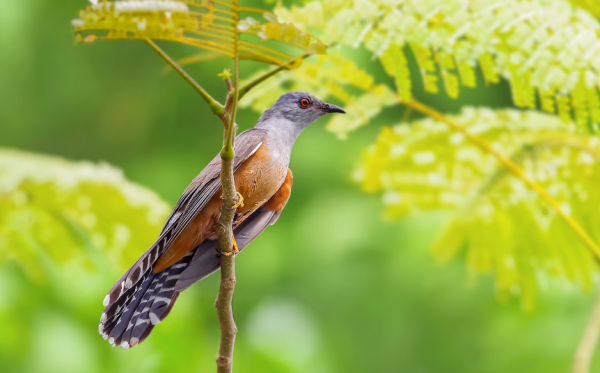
293,112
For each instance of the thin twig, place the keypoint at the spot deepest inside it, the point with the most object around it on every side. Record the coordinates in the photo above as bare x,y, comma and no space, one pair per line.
225,230
243,90
213,104
511,166
585,351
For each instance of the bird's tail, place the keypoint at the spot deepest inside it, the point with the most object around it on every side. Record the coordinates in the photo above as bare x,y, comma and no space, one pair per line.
132,310
130,318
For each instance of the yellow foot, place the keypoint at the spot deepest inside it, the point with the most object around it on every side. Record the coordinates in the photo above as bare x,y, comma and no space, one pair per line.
230,253
240,202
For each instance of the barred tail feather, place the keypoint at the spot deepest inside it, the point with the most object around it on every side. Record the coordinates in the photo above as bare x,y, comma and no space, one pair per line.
129,319
141,299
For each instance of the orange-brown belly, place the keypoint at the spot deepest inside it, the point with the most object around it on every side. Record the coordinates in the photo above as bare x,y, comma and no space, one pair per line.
257,180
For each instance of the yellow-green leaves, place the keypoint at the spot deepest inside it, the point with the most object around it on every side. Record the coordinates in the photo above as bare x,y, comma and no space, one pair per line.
209,25
395,64
53,211
504,226
548,50
591,6
225,75
330,78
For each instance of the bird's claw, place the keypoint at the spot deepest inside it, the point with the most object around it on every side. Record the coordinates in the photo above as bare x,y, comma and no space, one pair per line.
240,202
229,253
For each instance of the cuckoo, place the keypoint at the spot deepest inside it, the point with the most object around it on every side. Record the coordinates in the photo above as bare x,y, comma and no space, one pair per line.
186,250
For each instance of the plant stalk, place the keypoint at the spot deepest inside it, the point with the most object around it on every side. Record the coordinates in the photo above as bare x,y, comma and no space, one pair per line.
214,105
511,166
225,225
243,90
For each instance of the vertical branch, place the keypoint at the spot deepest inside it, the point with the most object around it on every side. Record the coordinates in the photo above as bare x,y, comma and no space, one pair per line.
587,345
225,232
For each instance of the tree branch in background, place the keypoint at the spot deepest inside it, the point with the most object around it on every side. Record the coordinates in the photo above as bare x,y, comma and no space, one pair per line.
587,345
231,201
214,105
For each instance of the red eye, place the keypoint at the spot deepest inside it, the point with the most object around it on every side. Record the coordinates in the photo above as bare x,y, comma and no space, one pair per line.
304,102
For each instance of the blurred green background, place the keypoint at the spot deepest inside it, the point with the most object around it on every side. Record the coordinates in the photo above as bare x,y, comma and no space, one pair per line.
330,288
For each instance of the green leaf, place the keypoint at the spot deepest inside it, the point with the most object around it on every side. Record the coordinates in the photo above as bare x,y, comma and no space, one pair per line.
508,39
209,25
504,226
59,212
329,77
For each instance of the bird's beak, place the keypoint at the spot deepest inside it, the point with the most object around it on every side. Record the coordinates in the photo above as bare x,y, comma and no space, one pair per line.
329,108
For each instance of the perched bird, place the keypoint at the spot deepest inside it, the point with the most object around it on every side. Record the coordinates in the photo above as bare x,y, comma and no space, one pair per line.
186,250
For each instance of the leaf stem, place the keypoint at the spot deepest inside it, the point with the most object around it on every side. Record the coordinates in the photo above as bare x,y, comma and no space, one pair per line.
214,105
587,345
513,167
243,90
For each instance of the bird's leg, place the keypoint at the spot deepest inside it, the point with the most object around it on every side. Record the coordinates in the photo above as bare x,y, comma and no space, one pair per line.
240,202
229,253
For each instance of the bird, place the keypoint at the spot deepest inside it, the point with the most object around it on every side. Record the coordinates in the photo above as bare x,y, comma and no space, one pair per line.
186,250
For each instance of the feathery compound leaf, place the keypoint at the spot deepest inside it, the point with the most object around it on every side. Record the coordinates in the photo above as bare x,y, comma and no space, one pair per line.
504,226
538,46
328,77
57,211
208,24
591,6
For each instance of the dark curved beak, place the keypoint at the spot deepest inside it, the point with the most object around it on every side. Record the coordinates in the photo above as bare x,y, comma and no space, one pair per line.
329,108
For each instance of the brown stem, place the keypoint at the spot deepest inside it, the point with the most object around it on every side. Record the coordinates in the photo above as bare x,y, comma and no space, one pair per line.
225,225
225,236
585,351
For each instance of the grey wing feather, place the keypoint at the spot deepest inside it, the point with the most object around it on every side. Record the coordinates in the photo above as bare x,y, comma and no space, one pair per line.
193,199
206,260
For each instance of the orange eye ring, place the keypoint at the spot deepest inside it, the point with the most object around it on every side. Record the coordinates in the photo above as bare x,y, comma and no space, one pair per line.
304,102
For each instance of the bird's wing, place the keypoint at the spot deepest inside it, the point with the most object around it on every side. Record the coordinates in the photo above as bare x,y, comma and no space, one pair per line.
206,259
149,302
193,199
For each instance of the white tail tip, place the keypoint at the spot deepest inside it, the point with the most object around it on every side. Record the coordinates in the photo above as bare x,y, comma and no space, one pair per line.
154,319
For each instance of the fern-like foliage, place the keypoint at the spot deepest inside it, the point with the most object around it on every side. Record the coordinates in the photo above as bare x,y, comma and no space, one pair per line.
503,226
54,211
212,25
548,50
331,76
592,6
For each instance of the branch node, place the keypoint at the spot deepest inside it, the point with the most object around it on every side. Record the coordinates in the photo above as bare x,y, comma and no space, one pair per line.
223,362
229,284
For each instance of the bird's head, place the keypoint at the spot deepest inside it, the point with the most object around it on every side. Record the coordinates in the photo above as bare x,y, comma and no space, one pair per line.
299,109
